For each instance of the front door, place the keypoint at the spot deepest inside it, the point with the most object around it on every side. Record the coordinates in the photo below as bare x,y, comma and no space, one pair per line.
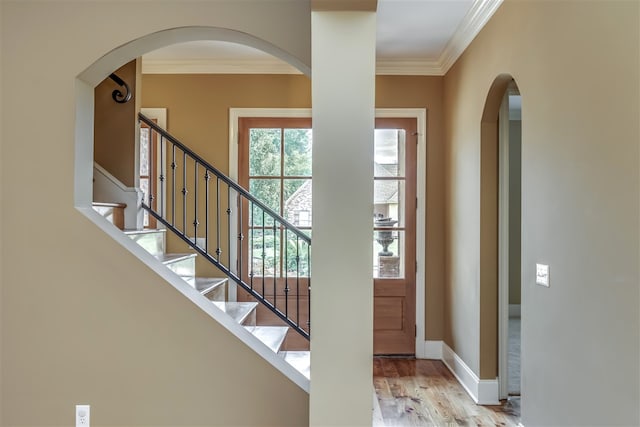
394,236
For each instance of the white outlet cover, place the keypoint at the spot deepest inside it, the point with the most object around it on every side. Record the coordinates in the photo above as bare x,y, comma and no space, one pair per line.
83,415
542,275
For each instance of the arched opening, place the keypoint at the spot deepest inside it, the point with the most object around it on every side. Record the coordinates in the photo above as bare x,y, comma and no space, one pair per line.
500,236
103,67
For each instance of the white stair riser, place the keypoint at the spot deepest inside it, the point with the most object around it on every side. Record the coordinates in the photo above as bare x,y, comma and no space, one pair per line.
219,293
152,242
184,267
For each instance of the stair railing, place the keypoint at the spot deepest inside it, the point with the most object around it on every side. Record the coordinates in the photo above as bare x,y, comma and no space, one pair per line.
249,242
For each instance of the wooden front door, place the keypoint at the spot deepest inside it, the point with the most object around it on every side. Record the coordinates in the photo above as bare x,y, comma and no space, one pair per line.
394,236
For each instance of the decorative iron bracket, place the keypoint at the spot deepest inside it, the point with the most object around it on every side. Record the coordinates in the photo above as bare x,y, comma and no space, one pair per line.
118,96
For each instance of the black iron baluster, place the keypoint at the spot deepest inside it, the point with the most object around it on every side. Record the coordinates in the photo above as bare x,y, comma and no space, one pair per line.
240,235
152,171
264,254
195,203
275,262
207,177
250,244
308,289
218,220
229,226
161,198
298,280
184,192
286,272
173,184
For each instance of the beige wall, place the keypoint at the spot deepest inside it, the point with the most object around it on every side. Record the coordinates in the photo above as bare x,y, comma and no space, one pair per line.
91,323
198,114
115,126
576,65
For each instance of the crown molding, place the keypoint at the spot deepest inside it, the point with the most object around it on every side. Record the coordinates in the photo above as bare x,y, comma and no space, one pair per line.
408,67
217,66
475,19
479,14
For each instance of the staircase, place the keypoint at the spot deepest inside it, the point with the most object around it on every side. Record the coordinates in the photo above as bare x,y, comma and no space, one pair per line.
214,289
257,252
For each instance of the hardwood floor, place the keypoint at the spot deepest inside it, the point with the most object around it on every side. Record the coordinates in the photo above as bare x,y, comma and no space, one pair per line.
415,392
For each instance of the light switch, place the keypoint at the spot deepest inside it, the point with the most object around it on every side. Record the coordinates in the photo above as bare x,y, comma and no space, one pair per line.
542,275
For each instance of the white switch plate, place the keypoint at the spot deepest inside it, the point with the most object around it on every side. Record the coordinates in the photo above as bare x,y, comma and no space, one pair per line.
83,413
542,275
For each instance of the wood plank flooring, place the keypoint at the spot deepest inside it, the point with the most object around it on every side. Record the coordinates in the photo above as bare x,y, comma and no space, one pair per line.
415,392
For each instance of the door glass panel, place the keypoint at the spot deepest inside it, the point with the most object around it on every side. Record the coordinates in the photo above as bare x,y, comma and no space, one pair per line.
388,201
297,201
296,257
389,146
388,254
268,192
297,152
264,251
264,152
144,151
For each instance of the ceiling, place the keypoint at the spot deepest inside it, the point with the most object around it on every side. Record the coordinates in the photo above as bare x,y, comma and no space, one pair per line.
416,37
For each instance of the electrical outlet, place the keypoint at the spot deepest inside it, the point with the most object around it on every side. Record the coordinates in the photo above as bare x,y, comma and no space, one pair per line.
83,413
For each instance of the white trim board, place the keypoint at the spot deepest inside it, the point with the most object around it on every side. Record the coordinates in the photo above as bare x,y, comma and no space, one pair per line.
420,114
483,392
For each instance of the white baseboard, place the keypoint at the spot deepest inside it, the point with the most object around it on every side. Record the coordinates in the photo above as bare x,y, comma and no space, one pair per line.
514,310
433,350
483,392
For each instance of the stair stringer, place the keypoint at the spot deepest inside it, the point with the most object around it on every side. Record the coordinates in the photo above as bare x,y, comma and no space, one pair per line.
196,298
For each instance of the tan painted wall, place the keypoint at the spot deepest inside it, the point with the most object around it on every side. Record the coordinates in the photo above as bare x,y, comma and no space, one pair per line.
89,323
198,114
576,65
115,126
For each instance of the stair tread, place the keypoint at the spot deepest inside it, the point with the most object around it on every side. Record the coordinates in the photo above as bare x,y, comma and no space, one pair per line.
239,311
272,336
131,232
171,258
301,360
206,284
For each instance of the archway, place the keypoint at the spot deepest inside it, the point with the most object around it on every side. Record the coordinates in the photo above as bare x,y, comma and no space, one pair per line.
499,180
99,70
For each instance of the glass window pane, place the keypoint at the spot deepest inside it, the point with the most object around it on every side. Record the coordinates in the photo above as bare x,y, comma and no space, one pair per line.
296,257
297,152
264,252
388,254
389,152
388,201
264,152
268,192
297,202
144,151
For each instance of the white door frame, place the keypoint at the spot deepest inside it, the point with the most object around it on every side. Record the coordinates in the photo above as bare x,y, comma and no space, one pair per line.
503,247
420,114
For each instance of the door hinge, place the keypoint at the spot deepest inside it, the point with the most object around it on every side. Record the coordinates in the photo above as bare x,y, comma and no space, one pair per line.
415,331
416,266
416,203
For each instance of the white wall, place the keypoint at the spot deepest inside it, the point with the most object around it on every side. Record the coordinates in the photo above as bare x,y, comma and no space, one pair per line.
83,321
342,288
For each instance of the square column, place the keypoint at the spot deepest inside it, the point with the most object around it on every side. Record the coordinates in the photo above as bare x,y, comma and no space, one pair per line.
343,91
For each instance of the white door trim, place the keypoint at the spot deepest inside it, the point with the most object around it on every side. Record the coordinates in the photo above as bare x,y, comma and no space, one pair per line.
420,114
503,247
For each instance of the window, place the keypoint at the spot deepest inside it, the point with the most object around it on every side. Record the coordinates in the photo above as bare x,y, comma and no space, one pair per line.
275,165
